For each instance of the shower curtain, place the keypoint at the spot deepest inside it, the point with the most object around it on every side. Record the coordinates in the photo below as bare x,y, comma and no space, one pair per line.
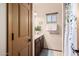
70,29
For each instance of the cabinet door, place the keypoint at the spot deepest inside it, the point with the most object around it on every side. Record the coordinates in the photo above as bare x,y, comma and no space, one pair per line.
42,42
37,47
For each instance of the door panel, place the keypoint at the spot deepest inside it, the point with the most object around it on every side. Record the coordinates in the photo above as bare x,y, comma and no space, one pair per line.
24,51
15,20
9,29
21,29
24,26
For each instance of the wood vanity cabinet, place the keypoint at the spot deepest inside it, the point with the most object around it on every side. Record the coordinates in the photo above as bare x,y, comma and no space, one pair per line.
39,45
41,42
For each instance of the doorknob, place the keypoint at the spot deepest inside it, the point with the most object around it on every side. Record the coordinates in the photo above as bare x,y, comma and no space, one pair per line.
29,40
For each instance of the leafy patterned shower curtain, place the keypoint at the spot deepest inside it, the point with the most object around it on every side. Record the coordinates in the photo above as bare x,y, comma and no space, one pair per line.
70,31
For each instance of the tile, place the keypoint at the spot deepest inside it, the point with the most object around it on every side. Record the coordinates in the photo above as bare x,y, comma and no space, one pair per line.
46,52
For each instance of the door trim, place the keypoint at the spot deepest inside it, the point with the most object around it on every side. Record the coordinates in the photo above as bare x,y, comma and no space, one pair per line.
7,30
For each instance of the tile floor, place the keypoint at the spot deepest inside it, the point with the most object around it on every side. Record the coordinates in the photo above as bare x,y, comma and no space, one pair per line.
46,52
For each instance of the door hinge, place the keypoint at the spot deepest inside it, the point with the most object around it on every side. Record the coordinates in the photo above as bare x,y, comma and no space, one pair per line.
12,36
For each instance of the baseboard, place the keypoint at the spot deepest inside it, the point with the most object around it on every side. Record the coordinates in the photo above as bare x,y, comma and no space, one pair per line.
53,49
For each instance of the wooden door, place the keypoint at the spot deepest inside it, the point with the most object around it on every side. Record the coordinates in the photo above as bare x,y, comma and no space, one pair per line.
21,29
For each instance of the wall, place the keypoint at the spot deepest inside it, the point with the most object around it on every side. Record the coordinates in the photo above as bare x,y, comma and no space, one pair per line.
37,20
2,29
52,41
78,25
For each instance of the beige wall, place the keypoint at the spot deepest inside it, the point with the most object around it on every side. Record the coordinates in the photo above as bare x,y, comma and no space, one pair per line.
2,29
52,41
78,26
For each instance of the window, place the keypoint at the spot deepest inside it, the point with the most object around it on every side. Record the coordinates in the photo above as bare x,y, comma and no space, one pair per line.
51,17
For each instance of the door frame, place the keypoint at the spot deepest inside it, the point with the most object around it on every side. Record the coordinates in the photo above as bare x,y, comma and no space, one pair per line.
7,25
7,47
7,29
